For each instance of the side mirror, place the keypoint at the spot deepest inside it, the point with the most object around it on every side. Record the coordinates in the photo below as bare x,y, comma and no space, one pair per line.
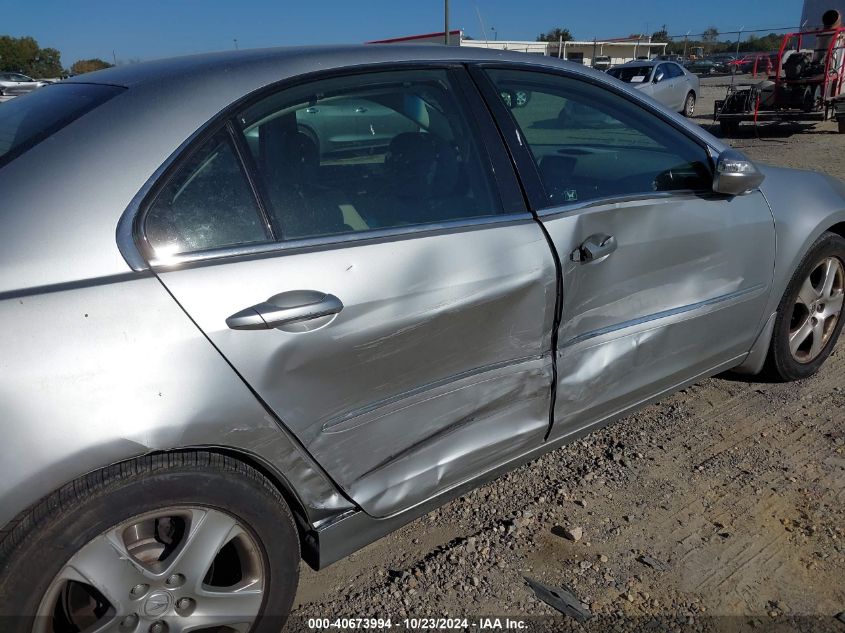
658,77
735,174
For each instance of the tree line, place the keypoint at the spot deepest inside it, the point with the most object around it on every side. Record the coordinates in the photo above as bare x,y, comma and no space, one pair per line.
24,55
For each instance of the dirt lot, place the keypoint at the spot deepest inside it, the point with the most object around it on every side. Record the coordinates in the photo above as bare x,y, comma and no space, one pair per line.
732,490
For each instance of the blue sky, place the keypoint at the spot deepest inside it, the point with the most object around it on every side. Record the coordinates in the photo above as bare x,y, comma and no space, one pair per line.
147,29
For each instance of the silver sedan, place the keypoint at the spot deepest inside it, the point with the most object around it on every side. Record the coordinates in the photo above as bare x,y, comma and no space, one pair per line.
16,84
228,345
666,82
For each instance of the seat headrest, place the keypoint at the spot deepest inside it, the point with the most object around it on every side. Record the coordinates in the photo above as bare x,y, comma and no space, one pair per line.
421,165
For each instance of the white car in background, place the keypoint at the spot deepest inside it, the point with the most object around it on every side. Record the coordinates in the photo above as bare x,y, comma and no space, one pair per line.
667,82
16,84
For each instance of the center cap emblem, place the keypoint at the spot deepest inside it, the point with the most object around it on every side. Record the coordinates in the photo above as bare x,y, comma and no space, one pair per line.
157,604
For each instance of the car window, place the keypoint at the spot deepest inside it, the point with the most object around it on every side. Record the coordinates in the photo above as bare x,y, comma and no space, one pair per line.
367,152
673,70
20,78
26,121
589,142
207,204
631,74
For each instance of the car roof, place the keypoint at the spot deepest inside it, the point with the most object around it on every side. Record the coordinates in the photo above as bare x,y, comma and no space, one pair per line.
290,61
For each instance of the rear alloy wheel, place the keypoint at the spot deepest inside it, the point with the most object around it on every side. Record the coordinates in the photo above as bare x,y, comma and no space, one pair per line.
689,105
809,318
206,545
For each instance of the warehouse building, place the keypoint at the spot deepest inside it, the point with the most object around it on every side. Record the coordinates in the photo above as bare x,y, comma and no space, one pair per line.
584,52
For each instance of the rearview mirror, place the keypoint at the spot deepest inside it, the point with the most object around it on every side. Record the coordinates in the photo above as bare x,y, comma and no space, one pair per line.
735,174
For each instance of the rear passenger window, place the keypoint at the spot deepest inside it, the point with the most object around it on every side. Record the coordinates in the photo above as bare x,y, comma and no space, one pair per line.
207,204
368,152
590,143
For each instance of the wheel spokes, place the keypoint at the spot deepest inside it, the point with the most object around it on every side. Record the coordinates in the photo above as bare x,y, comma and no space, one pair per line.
234,609
207,533
808,294
833,305
797,338
105,564
162,568
818,338
831,272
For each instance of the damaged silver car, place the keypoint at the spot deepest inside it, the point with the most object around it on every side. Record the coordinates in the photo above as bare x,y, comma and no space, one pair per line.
230,342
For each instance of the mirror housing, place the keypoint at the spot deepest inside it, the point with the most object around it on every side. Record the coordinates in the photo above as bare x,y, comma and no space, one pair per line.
735,174
659,77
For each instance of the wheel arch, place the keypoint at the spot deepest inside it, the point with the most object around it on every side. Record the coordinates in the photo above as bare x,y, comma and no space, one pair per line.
304,525
839,229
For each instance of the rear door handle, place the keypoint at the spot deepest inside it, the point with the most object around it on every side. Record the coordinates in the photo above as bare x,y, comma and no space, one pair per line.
284,309
594,249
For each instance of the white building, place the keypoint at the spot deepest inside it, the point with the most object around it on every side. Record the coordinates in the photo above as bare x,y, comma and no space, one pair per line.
619,51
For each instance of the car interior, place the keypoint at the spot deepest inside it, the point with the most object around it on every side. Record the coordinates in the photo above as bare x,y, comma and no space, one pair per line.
587,148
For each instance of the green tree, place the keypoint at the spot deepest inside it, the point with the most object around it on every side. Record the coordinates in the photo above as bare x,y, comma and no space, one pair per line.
48,63
89,65
661,36
555,35
17,53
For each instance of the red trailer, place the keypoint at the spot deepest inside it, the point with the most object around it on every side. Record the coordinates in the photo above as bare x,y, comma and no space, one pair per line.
806,84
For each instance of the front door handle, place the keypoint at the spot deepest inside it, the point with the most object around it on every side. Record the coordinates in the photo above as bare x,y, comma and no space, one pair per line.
284,309
594,249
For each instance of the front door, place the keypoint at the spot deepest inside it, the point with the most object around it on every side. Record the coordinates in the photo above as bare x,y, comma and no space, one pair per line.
392,302
662,279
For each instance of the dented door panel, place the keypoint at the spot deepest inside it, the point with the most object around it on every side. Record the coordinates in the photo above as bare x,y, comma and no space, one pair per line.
438,365
684,291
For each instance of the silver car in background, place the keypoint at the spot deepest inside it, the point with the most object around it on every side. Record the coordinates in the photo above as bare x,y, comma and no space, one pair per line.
667,82
16,84
265,306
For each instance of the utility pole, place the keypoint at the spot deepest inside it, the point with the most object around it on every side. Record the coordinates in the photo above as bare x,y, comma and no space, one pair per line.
114,57
446,21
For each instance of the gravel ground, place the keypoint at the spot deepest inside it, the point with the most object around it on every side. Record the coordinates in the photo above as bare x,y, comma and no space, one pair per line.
720,508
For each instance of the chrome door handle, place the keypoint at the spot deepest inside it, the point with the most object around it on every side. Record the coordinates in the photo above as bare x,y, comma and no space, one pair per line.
594,249
285,308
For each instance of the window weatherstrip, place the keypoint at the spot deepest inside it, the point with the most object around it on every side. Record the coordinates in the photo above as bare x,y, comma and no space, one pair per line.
248,168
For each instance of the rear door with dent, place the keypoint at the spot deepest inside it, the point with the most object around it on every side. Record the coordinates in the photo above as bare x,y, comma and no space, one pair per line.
419,292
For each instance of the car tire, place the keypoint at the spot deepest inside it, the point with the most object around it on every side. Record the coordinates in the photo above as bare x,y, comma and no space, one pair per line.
689,105
65,561
809,317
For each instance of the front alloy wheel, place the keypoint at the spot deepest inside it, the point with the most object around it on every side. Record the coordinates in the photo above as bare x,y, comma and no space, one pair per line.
808,321
817,310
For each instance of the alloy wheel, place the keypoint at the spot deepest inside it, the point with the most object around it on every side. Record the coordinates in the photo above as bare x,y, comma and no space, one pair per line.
689,106
817,310
176,570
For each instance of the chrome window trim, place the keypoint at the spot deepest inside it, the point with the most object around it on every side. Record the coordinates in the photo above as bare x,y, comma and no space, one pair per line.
358,238
564,209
